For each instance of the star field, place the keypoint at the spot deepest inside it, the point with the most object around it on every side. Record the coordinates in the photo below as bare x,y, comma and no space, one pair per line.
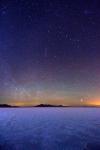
50,52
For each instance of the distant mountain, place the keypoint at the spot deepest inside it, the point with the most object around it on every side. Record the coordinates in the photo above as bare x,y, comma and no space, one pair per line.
5,105
48,105
40,105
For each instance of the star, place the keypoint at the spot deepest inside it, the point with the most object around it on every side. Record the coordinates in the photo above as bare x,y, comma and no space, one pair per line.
3,10
88,12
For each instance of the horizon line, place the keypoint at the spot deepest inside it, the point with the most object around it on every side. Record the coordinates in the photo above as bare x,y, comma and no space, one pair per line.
47,105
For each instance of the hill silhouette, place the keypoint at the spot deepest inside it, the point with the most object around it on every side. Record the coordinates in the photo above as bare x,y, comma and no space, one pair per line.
5,105
48,105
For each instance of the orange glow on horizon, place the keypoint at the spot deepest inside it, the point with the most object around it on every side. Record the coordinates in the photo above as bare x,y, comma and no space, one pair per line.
64,102
94,102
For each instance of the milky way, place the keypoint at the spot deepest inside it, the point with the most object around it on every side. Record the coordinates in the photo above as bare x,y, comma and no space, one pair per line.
50,52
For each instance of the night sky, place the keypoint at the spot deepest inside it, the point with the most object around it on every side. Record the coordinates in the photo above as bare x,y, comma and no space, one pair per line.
50,52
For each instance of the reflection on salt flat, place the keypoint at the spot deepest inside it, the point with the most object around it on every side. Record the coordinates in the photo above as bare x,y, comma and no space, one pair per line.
49,128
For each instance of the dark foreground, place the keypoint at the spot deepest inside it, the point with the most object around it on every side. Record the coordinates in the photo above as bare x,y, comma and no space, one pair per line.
50,129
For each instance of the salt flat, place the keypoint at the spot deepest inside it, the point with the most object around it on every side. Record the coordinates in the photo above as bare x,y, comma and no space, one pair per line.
49,128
